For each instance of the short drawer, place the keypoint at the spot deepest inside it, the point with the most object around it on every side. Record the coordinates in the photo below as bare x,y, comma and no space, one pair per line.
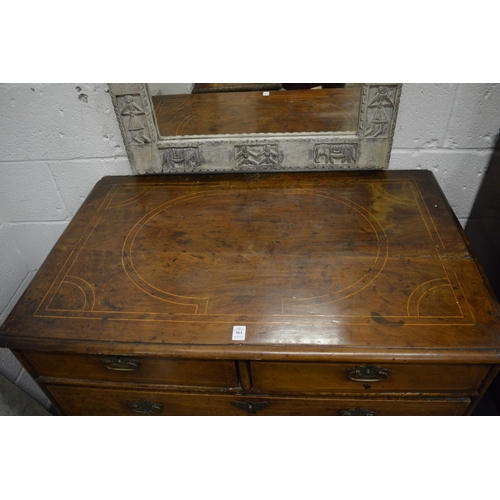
135,369
274,377
98,401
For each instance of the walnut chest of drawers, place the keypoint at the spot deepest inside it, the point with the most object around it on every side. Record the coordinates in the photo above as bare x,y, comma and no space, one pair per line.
332,293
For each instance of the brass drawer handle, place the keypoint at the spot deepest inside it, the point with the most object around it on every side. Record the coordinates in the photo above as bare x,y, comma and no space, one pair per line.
121,364
357,412
368,373
251,408
143,406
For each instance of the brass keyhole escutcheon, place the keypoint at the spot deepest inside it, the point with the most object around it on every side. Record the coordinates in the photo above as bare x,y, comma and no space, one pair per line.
251,408
357,412
143,406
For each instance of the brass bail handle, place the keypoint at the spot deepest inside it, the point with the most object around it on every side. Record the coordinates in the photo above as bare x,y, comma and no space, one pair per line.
368,373
121,364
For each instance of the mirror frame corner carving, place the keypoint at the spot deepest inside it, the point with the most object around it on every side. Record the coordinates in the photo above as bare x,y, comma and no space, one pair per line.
368,148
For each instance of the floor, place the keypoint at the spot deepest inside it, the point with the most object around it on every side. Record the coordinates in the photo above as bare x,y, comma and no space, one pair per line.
15,402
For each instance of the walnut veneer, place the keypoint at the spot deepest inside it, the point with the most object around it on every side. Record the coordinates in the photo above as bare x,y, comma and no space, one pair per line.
358,292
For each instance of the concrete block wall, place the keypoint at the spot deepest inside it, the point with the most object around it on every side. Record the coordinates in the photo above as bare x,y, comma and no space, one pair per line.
450,129
58,140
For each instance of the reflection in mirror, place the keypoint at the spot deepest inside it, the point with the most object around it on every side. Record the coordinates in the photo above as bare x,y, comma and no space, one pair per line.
239,108
298,136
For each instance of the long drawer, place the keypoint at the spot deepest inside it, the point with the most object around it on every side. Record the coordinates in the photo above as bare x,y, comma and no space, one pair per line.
275,377
108,401
133,369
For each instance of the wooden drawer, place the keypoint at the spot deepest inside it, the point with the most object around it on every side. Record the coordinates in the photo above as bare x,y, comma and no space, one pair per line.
133,369
97,401
305,378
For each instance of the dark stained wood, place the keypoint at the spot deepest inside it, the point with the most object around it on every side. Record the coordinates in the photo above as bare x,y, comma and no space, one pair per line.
99,401
334,378
326,270
322,110
340,255
202,373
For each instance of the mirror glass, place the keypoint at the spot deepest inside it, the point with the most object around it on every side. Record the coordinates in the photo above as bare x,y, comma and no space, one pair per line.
198,109
226,127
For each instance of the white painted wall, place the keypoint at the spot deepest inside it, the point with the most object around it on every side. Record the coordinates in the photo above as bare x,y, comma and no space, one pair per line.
58,140
450,129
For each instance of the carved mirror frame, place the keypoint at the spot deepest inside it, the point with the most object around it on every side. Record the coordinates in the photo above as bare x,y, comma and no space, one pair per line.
367,148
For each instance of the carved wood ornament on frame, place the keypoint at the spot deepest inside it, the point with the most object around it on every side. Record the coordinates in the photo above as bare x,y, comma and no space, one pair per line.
367,148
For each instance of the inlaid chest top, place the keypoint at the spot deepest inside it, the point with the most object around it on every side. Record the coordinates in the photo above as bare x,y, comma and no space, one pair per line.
328,261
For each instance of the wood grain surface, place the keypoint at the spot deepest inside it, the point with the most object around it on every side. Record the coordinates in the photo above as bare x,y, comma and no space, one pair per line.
313,264
321,110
